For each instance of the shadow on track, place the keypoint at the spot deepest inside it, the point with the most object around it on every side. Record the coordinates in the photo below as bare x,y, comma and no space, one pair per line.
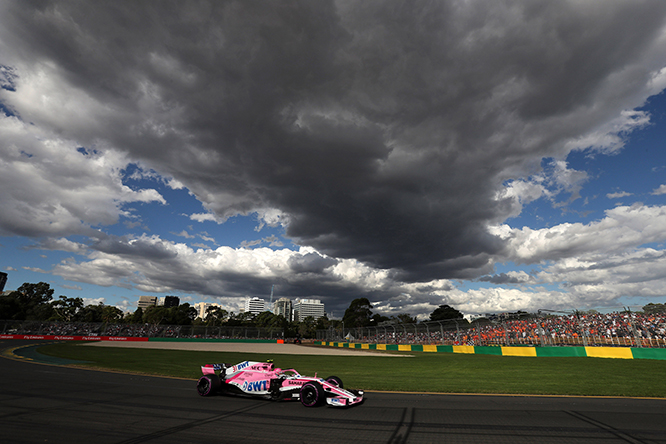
47,403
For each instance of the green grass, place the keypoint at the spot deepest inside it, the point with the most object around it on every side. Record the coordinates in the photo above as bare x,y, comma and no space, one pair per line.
424,372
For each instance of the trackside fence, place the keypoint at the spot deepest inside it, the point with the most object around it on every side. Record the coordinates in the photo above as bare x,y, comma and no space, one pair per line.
545,328
91,329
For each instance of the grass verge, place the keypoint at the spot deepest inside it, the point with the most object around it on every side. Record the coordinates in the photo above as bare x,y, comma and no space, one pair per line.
425,372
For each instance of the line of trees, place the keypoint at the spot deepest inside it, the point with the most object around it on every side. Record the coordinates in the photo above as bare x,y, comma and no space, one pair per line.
359,314
35,302
307,328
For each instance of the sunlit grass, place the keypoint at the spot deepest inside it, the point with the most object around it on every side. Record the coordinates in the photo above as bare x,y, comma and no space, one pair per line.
424,372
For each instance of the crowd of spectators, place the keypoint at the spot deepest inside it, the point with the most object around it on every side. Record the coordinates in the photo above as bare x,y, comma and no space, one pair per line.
618,328
133,330
55,328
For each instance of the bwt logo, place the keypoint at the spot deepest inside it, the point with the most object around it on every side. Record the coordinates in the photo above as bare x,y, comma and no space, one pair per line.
241,366
255,386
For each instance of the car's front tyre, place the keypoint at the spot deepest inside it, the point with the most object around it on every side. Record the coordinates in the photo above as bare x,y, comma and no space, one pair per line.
208,385
312,394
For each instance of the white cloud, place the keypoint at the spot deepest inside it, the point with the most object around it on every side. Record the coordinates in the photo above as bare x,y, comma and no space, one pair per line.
611,137
62,244
623,228
204,217
271,217
51,188
520,193
618,195
659,191
93,301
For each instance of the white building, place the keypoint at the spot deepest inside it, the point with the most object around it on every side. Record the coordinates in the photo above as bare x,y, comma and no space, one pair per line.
284,307
255,305
308,307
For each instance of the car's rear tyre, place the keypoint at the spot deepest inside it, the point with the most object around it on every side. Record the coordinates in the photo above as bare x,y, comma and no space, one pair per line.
312,394
335,381
208,385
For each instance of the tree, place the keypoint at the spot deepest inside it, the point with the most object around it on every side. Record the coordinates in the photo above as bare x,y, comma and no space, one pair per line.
156,315
111,314
405,318
215,316
66,308
185,314
35,294
654,308
291,330
307,328
358,314
90,313
267,319
136,317
444,312
240,319
323,323
28,302
378,319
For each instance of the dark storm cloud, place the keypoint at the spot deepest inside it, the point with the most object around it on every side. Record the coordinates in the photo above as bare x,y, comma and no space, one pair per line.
382,129
502,278
310,263
143,247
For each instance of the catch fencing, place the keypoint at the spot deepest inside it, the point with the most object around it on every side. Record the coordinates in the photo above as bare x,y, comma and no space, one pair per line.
545,328
92,329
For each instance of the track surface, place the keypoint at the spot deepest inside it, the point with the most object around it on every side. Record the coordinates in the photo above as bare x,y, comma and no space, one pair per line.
46,403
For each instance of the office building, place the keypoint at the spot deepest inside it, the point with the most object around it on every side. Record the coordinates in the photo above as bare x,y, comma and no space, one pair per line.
308,307
255,305
171,301
283,307
147,301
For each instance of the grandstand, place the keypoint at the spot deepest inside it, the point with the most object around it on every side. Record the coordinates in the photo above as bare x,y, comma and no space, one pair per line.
542,329
624,329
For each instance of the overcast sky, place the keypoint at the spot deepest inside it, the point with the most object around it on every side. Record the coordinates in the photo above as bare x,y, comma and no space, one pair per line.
493,156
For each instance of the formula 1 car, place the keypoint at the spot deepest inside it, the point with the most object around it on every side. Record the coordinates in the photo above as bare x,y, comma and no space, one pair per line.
263,380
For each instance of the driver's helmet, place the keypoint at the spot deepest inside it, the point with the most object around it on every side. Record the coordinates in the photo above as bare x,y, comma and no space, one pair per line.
268,366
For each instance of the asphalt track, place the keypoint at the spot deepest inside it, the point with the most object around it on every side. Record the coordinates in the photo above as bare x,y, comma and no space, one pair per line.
50,403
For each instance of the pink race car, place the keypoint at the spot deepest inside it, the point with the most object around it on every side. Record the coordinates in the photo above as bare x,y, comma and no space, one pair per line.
263,380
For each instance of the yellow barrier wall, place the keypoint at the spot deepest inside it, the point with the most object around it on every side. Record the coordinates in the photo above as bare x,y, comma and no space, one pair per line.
519,351
609,352
592,352
469,349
